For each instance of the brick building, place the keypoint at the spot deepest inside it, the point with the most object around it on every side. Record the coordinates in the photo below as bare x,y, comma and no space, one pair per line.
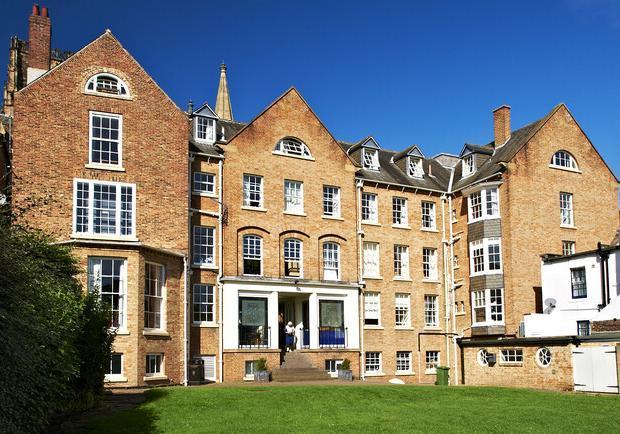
207,235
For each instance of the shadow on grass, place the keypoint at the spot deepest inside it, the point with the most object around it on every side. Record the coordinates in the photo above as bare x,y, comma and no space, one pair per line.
141,418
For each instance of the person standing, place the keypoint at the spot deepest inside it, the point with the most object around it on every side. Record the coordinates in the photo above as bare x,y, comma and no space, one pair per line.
289,333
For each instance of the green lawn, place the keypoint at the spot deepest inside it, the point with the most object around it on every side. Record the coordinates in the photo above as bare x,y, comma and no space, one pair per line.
364,409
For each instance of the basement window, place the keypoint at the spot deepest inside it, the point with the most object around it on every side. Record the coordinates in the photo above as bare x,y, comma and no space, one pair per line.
107,84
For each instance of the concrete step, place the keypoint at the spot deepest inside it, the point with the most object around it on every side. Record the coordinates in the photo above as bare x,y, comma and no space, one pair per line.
307,376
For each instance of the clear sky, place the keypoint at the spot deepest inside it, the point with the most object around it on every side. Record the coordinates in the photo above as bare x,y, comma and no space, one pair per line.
423,72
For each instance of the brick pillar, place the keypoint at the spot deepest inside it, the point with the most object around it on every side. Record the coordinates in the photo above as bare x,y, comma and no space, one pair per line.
501,125
39,39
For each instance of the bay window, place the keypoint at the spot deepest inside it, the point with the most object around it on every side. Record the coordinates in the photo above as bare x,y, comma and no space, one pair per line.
485,256
154,292
487,307
108,278
483,204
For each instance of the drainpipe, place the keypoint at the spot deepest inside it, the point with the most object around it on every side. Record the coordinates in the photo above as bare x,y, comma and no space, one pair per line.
185,340
452,285
359,235
220,271
605,300
446,282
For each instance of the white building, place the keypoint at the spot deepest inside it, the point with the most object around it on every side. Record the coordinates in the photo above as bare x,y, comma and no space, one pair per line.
577,291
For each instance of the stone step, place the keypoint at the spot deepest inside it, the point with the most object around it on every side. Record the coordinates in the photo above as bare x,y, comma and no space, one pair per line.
306,376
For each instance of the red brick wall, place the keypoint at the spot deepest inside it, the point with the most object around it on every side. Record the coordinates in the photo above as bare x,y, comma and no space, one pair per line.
39,40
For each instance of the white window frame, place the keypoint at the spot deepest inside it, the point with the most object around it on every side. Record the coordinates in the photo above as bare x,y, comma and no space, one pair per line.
120,84
372,259
89,233
122,294
331,261
415,169
119,141
253,184
431,311
293,197
201,294
487,299
429,221
487,207
568,247
370,207
567,213
468,165
377,361
160,367
372,162
484,245
161,269
511,356
331,199
402,310
208,183
563,156
209,129
404,357
252,256
400,212
199,249
372,308
109,377
283,147
432,359
401,261
292,246
332,366
429,264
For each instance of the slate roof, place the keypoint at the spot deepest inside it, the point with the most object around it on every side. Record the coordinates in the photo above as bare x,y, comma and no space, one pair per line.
211,150
231,128
391,174
412,150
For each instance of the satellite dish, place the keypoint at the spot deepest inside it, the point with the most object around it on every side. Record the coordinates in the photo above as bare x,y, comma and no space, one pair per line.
549,305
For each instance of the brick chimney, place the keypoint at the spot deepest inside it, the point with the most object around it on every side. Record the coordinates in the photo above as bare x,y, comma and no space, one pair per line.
501,125
39,42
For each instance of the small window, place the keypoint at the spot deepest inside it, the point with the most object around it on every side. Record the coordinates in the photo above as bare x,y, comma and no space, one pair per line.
204,129
511,356
371,159
204,183
429,263
371,259
105,139
115,369
332,366
253,191
203,304
583,328
414,167
483,357
401,303
566,209
568,248
293,257
543,357
331,261
107,84
432,361
403,362
250,368
293,147
331,201
578,282
154,365
372,308
431,311
401,261
203,246
369,208
373,362
428,215
252,255
400,215
154,305
294,197
564,160
469,165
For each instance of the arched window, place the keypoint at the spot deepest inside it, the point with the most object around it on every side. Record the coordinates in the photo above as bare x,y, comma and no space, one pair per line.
293,257
564,160
107,84
331,261
252,255
291,146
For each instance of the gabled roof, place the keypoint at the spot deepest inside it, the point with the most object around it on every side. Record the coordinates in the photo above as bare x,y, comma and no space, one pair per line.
469,148
411,151
205,110
366,142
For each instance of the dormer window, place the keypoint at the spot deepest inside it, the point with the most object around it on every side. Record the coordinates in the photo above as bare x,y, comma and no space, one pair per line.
107,84
469,165
204,129
371,159
293,147
564,160
414,167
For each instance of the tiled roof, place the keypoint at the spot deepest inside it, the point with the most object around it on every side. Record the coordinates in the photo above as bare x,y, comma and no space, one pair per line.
230,128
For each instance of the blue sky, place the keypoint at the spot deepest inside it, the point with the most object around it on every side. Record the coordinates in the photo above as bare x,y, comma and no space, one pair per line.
405,72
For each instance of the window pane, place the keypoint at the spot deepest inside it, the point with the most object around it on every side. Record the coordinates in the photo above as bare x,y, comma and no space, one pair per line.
105,139
203,245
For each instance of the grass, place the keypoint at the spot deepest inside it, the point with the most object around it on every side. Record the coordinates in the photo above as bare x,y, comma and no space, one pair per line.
363,409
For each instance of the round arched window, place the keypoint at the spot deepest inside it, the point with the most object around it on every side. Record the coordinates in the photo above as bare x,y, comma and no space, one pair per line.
483,357
543,357
107,84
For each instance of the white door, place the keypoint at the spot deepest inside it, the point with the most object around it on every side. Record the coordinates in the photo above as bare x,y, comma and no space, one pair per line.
595,369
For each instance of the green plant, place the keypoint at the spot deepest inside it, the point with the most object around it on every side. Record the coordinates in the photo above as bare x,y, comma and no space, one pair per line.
345,365
261,364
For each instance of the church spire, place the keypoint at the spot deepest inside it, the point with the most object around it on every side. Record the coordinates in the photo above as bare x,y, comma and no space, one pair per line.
222,103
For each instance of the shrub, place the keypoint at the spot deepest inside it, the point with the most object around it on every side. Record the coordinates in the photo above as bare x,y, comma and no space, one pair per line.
345,365
261,364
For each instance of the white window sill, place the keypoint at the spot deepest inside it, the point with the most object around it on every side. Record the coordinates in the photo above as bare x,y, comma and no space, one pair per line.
205,325
299,157
155,377
432,328
373,327
107,95
459,314
401,226
402,279
406,328
430,371
405,374
153,332
433,230
103,237
565,169
374,374
204,194
510,363
431,281
568,226
203,141
254,208
489,217
487,273
365,222
115,379
206,266
298,214
113,168
373,277
329,217
123,332
248,378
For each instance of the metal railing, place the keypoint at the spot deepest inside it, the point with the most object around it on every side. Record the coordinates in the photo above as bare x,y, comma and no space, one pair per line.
333,337
254,336
304,337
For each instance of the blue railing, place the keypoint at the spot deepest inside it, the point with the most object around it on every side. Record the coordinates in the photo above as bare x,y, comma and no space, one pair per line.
332,337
